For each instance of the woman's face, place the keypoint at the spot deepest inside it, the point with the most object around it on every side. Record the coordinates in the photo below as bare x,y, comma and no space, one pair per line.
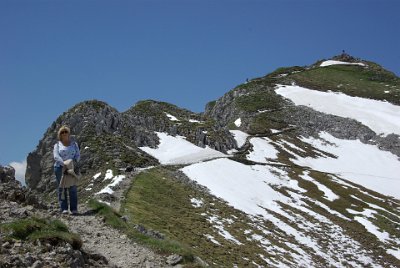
64,135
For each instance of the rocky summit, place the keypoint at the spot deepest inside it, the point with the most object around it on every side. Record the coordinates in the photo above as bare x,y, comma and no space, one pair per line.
298,168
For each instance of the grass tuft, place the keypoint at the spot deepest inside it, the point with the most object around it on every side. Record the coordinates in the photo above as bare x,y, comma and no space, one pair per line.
52,231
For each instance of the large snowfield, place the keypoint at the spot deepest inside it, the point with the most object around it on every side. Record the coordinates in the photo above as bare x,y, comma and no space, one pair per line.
245,187
382,117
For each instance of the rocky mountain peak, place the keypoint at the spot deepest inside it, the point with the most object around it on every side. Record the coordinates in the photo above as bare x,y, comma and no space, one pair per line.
345,57
86,120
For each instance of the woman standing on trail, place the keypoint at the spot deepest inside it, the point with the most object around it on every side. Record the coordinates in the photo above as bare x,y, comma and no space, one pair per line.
66,156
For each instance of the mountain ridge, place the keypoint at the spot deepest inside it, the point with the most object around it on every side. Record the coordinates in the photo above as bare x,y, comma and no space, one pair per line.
307,164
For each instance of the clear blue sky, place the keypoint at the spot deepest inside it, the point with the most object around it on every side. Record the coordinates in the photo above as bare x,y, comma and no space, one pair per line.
56,53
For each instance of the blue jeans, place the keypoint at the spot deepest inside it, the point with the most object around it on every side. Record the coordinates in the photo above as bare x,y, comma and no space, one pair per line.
64,192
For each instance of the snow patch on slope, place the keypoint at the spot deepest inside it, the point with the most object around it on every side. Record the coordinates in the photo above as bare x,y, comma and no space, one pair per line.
219,225
196,203
177,150
96,176
109,174
239,136
335,62
212,239
291,145
363,219
360,163
171,117
331,196
115,180
238,122
196,121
